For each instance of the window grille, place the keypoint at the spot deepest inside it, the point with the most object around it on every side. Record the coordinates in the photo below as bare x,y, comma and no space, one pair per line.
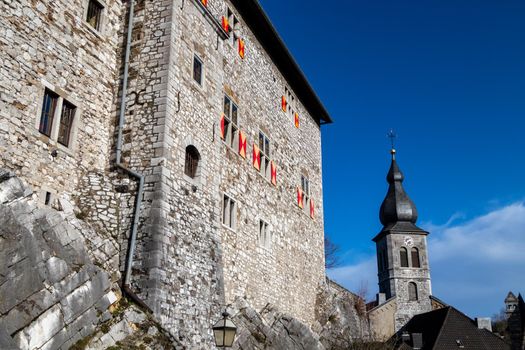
191,164
229,212
197,69
94,14
264,147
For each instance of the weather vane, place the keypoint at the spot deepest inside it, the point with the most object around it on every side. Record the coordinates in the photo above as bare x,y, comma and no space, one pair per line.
392,136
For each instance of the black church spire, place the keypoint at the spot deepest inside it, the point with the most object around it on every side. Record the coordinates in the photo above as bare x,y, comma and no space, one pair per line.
397,206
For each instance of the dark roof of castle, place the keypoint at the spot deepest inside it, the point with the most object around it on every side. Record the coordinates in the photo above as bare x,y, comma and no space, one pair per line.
511,297
255,17
397,212
448,328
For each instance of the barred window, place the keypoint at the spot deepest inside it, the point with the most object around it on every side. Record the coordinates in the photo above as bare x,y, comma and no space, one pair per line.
94,14
192,162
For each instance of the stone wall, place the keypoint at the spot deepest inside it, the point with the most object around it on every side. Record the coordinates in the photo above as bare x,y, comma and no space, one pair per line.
187,264
48,44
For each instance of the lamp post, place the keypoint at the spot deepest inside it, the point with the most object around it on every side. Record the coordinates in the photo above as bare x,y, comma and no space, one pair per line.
224,331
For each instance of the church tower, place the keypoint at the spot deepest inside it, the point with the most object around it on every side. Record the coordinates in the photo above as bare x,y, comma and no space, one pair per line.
402,257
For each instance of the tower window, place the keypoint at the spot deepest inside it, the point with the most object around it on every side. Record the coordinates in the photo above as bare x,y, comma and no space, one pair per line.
412,292
403,253
197,69
94,14
229,212
415,258
192,161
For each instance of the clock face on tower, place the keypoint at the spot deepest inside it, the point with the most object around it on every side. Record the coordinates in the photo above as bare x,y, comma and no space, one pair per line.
409,241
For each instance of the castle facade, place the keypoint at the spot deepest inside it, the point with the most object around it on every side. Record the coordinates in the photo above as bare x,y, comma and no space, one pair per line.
184,130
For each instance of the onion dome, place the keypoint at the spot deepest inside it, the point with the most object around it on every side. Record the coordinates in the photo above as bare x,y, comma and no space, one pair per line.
397,206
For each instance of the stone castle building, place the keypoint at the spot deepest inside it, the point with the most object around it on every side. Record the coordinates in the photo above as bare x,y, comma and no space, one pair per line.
402,260
185,132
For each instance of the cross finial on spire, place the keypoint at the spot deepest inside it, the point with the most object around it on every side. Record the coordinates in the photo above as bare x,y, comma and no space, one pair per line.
392,136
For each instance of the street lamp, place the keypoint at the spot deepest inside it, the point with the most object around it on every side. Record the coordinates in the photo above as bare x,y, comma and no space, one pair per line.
224,331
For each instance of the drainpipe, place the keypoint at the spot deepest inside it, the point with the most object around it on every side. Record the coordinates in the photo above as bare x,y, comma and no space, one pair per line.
137,176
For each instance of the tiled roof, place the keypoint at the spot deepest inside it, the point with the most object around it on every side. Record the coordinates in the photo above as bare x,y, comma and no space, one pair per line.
449,329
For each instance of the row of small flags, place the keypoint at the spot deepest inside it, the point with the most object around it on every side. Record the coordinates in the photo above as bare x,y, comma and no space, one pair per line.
256,161
227,28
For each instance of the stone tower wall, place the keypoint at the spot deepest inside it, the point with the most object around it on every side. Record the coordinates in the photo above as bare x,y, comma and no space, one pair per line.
397,278
188,265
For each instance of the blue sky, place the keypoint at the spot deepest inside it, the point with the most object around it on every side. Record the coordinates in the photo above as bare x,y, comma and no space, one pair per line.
449,77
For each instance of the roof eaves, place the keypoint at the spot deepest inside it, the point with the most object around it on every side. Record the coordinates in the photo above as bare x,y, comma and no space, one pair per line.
262,27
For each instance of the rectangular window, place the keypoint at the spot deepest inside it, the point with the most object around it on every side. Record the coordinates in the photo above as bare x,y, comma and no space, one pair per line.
66,123
290,98
231,128
234,26
197,70
305,187
265,238
94,14
229,212
48,112
264,146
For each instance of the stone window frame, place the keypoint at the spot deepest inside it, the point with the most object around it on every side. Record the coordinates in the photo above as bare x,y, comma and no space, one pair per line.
402,262
291,99
235,24
412,291
266,169
417,256
198,56
307,195
52,140
226,220
200,178
103,17
231,141
265,236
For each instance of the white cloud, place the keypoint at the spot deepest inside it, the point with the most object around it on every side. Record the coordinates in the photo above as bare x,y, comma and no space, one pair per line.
473,264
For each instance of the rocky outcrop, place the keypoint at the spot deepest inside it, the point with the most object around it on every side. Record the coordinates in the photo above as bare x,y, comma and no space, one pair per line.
270,329
341,317
51,292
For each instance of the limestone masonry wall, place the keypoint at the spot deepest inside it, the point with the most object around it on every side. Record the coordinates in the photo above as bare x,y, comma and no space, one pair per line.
188,265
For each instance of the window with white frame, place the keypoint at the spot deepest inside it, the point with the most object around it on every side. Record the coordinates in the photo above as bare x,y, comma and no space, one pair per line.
305,187
229,212
264,147
231,128
265,236
94,14
57,118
